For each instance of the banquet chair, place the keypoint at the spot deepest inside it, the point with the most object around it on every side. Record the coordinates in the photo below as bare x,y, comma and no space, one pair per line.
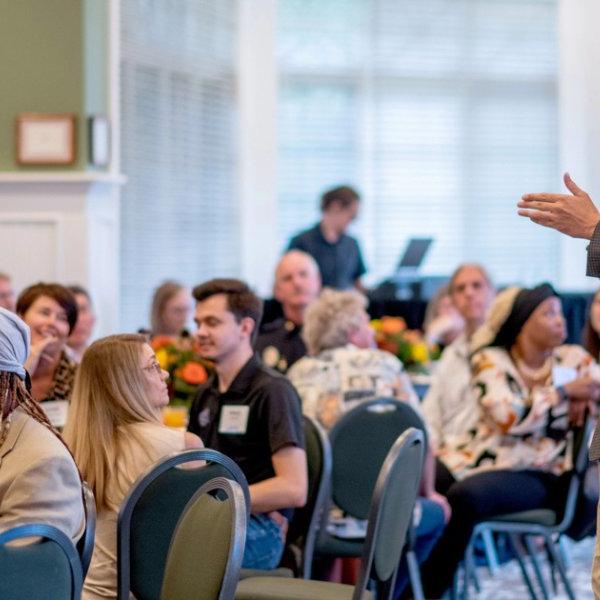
209,520
149,514
389,519
85,545
544,523
305,523
48,568
360,441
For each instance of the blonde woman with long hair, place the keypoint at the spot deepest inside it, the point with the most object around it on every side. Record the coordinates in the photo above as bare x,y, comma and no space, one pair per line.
115,432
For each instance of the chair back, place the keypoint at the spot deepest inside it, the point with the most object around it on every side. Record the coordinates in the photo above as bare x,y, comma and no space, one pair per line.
215,522
85,545
360,441
581,440
305,523
50,568
149,515
390,514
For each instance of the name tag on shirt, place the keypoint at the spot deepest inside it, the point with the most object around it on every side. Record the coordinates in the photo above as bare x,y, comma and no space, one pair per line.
234,419
563,375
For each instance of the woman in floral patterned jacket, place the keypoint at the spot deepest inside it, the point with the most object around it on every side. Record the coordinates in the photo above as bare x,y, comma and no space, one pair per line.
531,388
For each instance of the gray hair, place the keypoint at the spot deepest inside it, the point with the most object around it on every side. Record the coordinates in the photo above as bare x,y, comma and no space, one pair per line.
482,270
329,320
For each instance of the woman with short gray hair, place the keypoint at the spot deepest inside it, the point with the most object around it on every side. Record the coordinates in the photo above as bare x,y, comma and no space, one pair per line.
344,369
333,319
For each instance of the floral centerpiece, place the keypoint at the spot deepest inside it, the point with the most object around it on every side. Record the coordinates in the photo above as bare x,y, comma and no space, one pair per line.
408,345
187,370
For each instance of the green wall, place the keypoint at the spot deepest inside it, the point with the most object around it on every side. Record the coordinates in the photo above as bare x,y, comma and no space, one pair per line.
43,58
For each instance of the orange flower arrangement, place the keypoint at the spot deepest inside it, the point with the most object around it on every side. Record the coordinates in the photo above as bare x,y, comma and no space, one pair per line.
187,370
392,335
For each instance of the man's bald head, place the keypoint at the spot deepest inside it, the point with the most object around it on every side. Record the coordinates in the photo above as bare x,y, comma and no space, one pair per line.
297,283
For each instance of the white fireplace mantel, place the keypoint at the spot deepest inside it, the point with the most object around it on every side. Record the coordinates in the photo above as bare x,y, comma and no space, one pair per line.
64,227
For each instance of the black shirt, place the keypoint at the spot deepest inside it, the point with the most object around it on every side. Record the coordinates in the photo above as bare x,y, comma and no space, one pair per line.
280,344
340,263
271,421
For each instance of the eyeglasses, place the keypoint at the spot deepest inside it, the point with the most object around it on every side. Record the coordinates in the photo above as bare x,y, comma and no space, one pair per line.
154,366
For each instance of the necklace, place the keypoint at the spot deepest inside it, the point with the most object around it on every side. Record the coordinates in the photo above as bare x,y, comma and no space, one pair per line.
539,374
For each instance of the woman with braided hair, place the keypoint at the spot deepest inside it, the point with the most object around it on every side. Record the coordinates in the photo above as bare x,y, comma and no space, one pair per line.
39,482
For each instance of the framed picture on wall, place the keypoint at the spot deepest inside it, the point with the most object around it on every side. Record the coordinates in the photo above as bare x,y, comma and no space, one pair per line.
45,139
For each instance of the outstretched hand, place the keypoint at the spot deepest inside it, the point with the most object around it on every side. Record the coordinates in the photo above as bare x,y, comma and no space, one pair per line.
574,214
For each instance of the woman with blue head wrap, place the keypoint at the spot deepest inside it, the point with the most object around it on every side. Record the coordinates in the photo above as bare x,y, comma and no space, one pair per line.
39,482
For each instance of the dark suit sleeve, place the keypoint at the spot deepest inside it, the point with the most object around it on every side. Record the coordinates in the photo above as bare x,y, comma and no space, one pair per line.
593,257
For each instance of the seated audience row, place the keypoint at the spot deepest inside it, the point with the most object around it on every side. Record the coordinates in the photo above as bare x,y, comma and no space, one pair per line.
499,411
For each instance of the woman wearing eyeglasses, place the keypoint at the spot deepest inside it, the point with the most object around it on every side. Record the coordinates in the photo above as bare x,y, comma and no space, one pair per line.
115,432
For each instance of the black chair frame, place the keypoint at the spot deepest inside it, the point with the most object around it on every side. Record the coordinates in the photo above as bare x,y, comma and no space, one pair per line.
523,529
142,484
85,545
321,533
54,534
321,499
237,537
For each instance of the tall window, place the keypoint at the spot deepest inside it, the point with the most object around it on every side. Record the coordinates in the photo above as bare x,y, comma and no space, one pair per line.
179,206
442,112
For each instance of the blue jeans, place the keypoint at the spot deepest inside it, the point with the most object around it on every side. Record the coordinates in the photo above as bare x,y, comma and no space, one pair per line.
427,533
264,545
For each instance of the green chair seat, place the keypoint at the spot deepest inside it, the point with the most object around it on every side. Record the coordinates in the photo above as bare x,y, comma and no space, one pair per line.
276,588
215,522
149,514
540,516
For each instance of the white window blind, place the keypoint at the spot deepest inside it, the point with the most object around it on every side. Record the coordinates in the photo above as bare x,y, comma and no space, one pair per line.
179,215
442,112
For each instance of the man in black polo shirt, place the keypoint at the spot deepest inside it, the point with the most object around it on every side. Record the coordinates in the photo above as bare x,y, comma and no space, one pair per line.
337,254
297,284
249,413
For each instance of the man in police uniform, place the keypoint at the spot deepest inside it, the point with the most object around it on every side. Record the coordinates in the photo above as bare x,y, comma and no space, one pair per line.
575,215
297,284
249,413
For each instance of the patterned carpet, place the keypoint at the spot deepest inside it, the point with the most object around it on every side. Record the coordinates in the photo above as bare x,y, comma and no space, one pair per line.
508,583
